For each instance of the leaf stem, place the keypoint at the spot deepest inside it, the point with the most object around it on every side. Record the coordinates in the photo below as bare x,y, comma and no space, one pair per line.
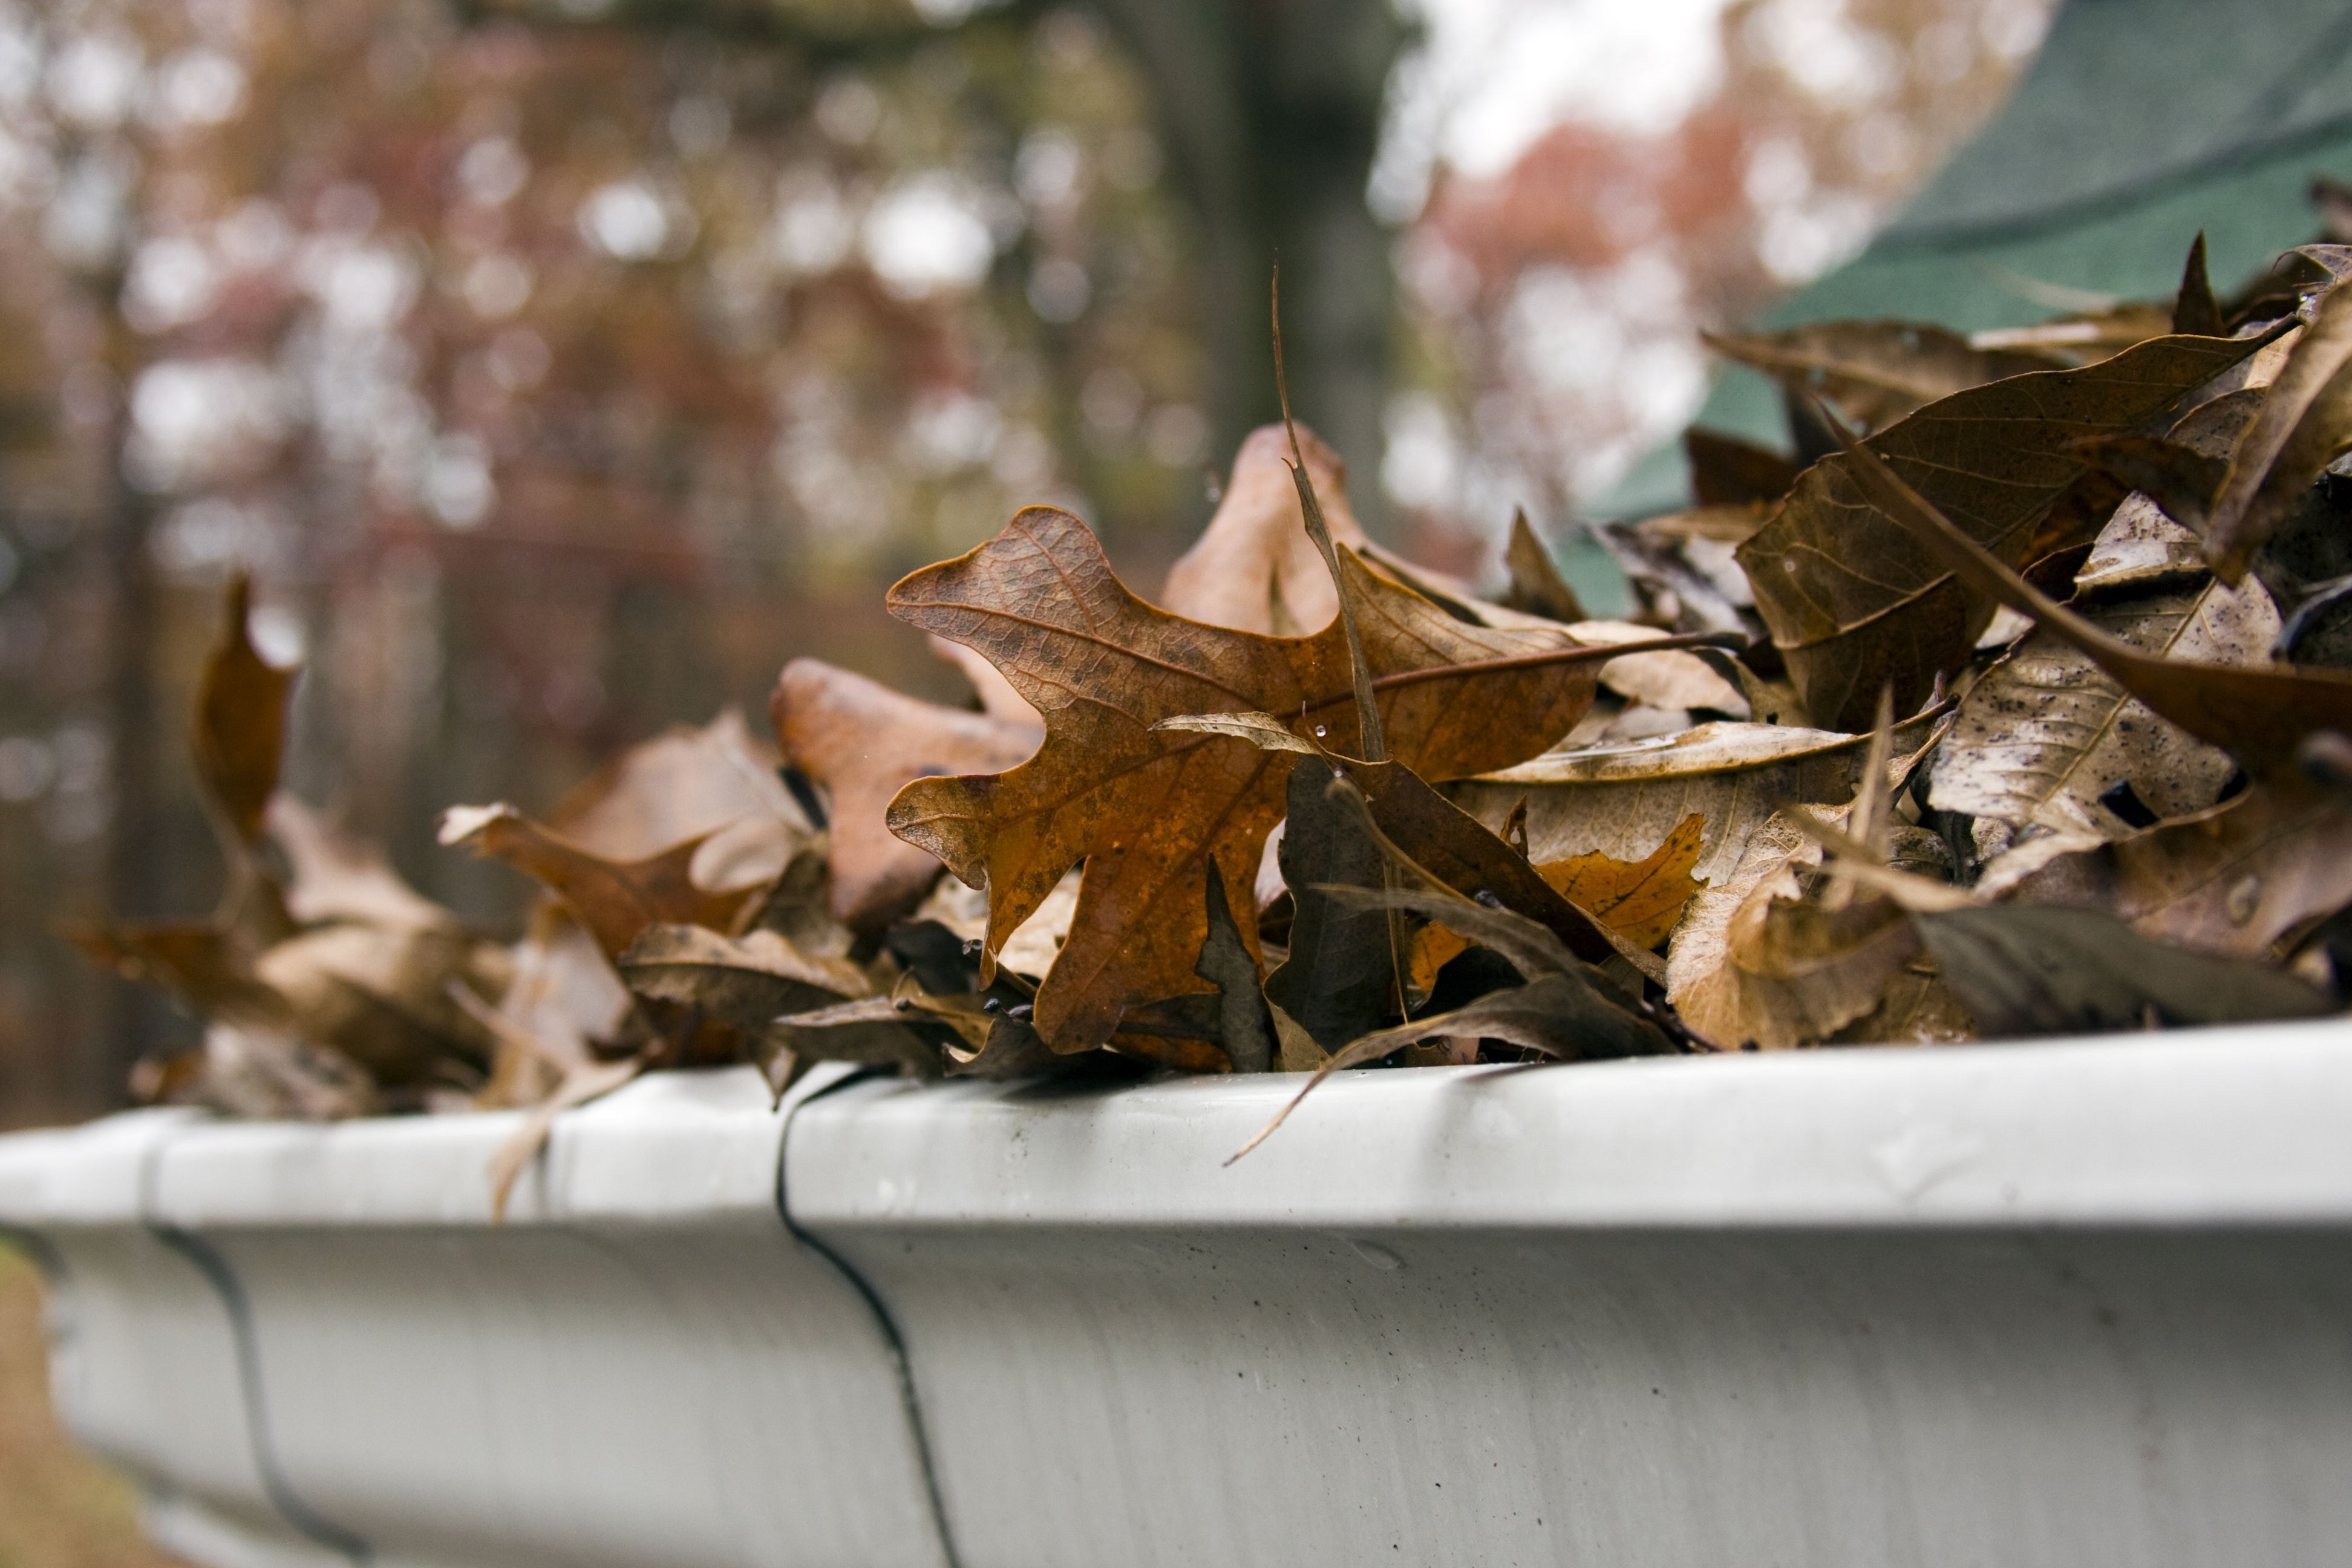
1373,742
1588,653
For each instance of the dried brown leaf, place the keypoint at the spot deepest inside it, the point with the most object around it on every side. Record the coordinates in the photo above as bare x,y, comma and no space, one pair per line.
1760,959
1855,602
2033,971
270,1075
1877,372
1623,801
2046,735
2306,421
564,995
2262,715
616,900
1244,1026
1672,680
1537,588
1640,900
198,963
1340,977
1253,568
1148,810
863,743
1033,945
685,783
380,997
995,694
241,728
1916,1009
1728,472
2195,311
748,981
2093,327
336,877
2140,550
2235,881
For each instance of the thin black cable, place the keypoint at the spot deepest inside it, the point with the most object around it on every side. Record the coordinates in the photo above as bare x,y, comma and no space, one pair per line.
282,1495
216,1272
45,1260
882,1321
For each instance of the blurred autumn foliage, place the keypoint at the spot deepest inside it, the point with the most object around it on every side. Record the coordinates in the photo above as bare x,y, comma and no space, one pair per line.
558,380
560,371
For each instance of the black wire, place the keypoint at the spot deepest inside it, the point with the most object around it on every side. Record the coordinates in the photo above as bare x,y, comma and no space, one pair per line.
884,1322
216,1272
282,1495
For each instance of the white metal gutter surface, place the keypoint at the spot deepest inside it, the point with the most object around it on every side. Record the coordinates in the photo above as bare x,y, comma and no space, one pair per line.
2071,1304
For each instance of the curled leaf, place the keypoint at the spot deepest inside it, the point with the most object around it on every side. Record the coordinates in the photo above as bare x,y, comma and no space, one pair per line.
1878,372
2305,422
2259,713
1253,568
2233,880
1855,602
1761,959
863,743
747,980
717,781
1558,1015
240,729
616,901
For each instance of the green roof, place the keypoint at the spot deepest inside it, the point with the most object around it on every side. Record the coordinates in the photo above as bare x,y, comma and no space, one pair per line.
2140,124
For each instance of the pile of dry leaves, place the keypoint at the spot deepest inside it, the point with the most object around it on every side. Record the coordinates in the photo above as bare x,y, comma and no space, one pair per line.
2010,703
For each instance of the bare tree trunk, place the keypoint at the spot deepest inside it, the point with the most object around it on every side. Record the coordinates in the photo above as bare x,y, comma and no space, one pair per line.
1271,110
139,843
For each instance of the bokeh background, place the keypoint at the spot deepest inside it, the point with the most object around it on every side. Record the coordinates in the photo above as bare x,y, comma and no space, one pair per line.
561,370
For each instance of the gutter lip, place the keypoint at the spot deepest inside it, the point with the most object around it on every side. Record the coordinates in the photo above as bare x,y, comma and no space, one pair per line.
2238,1127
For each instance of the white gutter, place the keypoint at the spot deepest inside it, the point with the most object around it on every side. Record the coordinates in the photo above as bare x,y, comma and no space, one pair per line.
2077,1304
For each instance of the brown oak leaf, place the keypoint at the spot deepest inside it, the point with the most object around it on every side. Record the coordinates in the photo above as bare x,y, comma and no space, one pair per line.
1147,811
